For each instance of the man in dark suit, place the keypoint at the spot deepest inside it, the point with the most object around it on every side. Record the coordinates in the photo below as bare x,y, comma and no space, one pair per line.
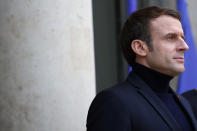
152,42
191,96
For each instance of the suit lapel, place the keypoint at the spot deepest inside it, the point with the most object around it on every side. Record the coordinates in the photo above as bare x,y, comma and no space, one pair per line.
154,101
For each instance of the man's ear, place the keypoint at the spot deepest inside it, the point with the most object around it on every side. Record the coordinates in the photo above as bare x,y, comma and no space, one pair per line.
139,47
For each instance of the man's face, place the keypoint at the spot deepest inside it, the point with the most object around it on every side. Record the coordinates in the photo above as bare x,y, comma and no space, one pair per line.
168,45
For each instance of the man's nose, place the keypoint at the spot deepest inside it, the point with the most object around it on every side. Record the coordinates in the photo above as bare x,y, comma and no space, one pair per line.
183,46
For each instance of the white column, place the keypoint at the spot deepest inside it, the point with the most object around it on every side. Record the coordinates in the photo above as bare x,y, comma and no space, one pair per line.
47,75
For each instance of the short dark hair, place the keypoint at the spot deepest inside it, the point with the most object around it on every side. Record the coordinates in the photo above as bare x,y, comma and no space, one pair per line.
137,26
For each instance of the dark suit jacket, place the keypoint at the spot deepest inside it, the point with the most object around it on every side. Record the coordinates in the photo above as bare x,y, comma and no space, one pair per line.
133,106
191,96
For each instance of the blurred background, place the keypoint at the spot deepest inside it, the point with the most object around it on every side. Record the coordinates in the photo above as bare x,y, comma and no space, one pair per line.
56,55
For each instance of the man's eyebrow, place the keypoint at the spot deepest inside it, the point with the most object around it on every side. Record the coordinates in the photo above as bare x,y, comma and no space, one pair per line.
174,34
171,33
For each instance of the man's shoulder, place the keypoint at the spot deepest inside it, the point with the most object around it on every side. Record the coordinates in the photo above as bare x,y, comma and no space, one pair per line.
122,88
123,93
120,91
114,103
119,97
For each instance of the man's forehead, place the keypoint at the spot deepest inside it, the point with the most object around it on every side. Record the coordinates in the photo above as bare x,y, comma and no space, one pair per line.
166,24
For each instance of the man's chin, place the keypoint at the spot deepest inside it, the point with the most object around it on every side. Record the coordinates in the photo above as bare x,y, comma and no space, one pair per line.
179,70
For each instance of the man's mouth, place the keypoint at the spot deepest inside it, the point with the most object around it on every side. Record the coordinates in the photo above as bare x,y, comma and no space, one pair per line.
179,59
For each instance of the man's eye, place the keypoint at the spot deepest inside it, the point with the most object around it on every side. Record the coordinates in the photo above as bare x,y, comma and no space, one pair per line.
170,37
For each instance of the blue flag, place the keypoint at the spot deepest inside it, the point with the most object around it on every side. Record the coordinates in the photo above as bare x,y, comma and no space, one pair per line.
131,7
188,79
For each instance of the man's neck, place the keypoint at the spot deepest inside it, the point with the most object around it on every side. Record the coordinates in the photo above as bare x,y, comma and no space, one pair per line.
159,82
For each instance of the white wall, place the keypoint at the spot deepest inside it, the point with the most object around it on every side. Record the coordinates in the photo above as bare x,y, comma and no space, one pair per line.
47,75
